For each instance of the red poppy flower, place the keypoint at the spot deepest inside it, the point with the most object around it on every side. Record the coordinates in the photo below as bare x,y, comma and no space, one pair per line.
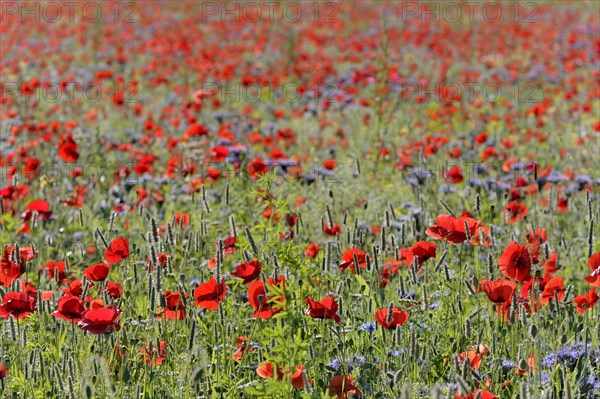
536,238
97,272
331,230
256,168
242,345
40,206
384,275
248,271
454,230
161,259
114,289
555,285
296,377
155,356
550,265
266,371
117,251
312,250
209,294
515,211
100,320
56,269
228,245
68,150
515,262
326,309
195,130
182,218
17,304
329,164
262,303
219,153
75,288
454,175
70,308
484,395
585,301
562,204
423,250
175,309
348,259
594,264
474,356
343,386
497,291
9,269
398,318
3,371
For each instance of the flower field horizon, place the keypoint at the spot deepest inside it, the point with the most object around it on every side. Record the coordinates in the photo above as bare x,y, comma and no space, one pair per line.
295,199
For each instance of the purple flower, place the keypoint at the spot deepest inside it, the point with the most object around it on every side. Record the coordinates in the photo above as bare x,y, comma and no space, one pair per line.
508,365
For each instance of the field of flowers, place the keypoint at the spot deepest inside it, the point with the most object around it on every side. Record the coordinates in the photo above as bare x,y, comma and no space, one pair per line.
299,199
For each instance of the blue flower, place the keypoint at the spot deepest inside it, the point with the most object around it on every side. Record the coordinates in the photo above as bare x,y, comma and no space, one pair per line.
570,355
508,365
334,364
370,327
590,384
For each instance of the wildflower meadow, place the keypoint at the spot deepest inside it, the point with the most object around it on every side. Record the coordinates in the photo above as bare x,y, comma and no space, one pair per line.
299,199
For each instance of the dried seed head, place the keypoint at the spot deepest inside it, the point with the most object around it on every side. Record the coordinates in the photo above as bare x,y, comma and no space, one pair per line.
329,218
390,313
467,231
154,230
232,225
251,241
591,239
99,234
112,221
